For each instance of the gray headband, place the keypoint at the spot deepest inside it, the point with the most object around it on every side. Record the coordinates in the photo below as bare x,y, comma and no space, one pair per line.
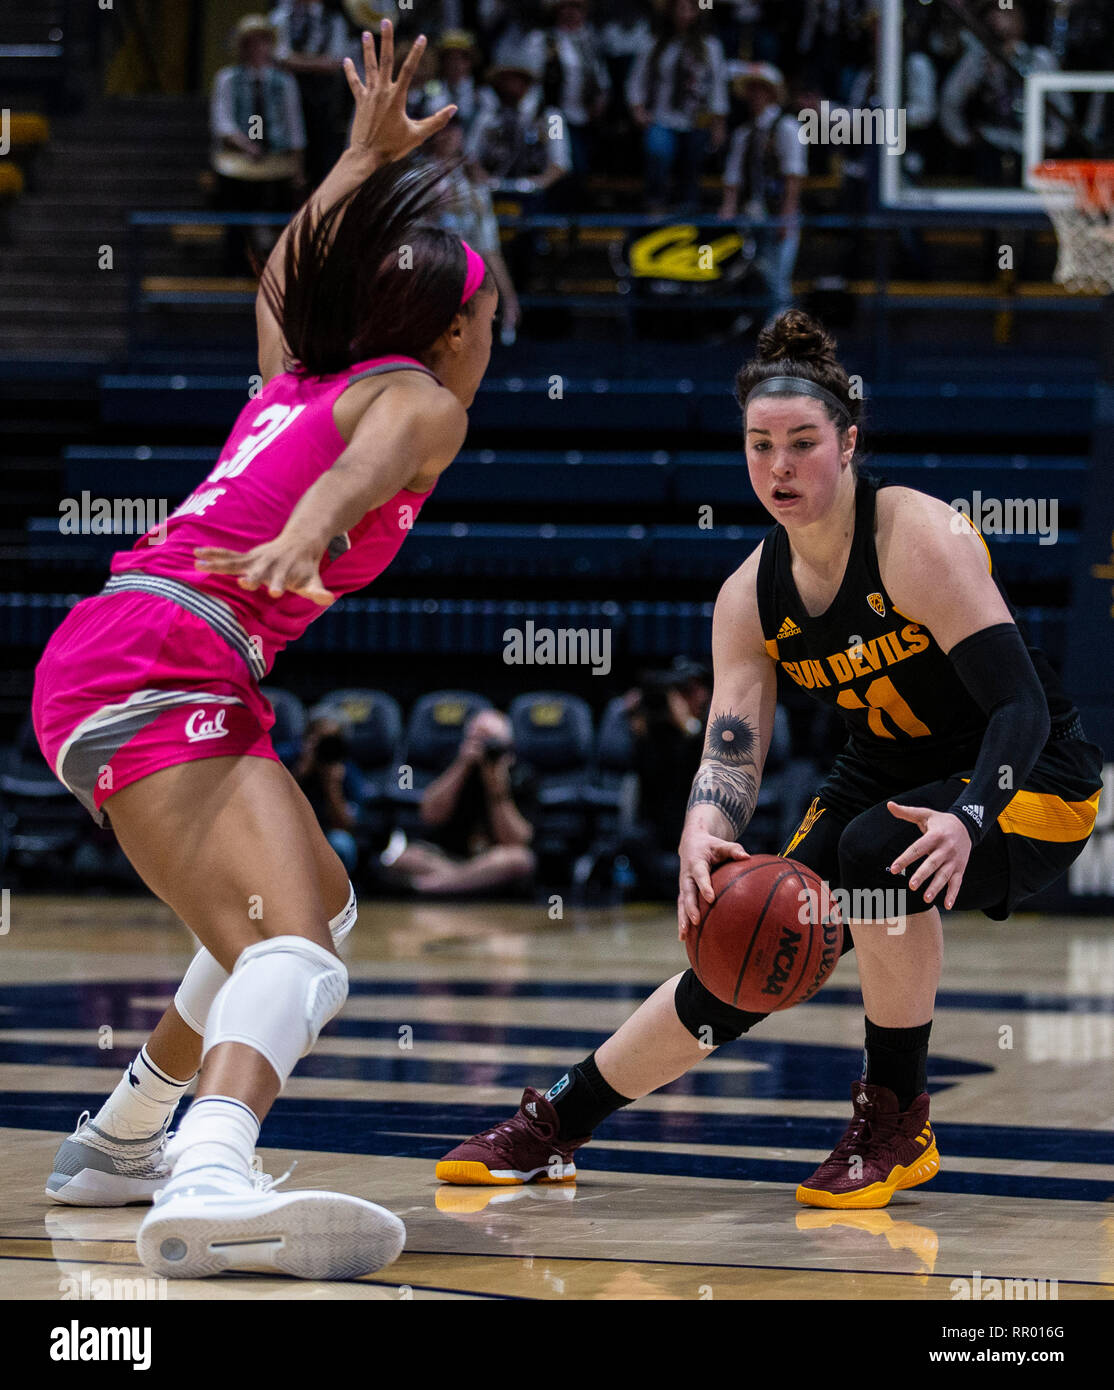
796,386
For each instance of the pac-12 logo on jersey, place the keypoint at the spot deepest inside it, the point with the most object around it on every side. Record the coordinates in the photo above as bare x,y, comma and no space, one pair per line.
198,728
878,603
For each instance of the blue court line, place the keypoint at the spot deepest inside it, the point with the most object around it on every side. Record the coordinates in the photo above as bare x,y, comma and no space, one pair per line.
397,1129
65,1003
787,1070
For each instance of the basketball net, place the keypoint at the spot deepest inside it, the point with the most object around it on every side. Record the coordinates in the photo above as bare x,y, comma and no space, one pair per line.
1078,195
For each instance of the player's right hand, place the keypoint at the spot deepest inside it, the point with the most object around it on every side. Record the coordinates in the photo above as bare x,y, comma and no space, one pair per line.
381,125
700,853
276,566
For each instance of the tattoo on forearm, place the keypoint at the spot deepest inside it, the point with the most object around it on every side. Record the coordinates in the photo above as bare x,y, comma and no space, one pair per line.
728,776
730,738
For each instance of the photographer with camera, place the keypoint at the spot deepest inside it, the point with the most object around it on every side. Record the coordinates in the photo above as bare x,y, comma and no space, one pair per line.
331,783
477,835
666,712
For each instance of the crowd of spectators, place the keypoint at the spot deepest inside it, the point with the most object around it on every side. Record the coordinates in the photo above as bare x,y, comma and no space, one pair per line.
660,106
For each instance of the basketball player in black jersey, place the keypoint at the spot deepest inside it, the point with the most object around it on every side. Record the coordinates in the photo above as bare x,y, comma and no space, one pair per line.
966,780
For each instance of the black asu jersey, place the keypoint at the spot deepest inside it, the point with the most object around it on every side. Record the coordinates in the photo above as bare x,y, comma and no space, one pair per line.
907,712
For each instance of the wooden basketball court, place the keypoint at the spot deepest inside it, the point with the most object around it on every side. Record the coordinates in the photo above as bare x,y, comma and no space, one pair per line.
688,1194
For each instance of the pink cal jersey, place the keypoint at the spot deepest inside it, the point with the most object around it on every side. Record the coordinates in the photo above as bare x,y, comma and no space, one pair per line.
282,443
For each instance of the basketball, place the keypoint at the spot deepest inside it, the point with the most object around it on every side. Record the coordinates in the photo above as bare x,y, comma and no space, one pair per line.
771,936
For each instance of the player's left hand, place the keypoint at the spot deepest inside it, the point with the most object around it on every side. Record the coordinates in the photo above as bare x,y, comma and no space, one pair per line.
944,847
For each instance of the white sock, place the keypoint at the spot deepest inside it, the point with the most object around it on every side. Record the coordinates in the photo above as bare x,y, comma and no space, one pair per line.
142,1103
217,1131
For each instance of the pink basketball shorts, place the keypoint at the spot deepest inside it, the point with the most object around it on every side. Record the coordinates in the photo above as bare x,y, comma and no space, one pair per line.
133,682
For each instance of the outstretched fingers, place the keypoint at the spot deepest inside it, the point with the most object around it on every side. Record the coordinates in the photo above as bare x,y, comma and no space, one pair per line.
410,66
432,124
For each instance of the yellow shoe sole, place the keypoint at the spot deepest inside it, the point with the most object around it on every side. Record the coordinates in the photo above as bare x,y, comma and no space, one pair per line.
477,1175
877,1194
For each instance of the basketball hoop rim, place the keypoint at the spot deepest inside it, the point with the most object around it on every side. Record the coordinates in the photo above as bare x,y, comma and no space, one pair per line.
1091,179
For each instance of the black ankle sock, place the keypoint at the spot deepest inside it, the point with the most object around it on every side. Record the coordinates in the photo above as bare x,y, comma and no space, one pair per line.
897,1058
583,1099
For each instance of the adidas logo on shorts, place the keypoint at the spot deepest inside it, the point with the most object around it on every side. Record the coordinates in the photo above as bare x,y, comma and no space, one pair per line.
975,812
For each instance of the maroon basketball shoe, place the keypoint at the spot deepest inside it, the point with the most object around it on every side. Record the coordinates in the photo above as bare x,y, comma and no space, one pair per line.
524,1148
883,1150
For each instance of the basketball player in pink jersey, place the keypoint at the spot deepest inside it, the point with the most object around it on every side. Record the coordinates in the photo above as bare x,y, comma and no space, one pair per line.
374,336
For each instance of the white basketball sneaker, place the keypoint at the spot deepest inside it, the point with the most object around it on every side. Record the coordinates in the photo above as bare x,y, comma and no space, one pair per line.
92,1169
214,1219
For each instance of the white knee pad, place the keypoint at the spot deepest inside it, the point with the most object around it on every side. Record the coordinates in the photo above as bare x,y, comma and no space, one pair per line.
279,996
204,977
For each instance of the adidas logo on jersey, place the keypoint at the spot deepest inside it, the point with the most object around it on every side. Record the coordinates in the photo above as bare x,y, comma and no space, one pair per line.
975,812
788,629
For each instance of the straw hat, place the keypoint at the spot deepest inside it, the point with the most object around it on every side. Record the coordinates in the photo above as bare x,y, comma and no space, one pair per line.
456,41
366,16
252,24
764,74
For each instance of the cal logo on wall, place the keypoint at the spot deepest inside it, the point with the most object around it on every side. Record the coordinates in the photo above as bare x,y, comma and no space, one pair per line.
681,253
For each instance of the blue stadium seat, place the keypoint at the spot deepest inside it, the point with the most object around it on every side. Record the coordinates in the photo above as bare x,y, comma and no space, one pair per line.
554,737
45,822
290,722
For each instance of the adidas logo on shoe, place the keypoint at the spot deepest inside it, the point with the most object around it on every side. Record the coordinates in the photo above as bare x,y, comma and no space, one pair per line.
532,1109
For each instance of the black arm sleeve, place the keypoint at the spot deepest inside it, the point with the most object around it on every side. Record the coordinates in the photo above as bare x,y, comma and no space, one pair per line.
997,670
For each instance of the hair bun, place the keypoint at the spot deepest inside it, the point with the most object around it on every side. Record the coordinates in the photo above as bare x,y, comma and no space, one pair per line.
796,336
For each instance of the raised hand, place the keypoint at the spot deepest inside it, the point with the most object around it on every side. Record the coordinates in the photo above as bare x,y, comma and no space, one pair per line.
381,126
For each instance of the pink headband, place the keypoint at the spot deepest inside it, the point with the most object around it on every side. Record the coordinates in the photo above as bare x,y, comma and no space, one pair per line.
476,274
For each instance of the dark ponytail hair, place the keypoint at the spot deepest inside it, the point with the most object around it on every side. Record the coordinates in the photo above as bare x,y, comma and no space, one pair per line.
372,276
795,344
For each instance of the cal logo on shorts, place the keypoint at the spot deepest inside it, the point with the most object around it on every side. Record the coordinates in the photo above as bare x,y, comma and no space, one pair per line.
198,728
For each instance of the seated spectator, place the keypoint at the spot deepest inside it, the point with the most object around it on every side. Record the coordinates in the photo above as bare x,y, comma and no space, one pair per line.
766,165
477,836
677,90
519,143
470,215
259,139
574,78
331,784
312,44
626,30
982,100
835,40
504,25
